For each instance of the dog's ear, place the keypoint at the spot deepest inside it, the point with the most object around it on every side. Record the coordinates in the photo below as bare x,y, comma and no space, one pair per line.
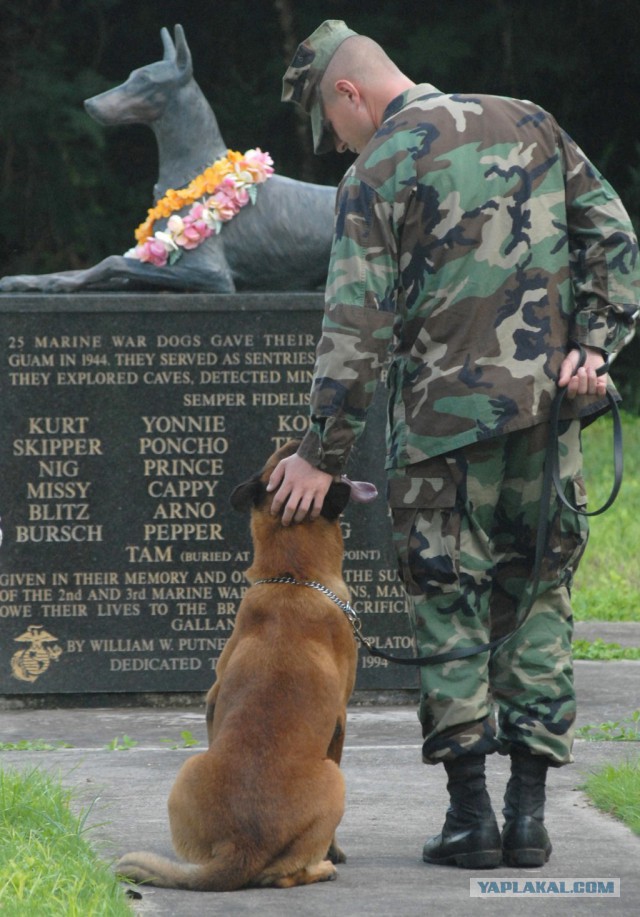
247,495
335,501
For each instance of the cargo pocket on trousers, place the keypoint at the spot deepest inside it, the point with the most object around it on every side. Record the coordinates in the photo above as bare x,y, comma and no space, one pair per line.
426,533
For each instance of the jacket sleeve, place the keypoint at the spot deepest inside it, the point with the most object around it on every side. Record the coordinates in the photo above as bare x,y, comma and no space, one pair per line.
603,253
357,326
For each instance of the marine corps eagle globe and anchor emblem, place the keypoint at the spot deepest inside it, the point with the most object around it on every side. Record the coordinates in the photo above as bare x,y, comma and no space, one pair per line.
29,663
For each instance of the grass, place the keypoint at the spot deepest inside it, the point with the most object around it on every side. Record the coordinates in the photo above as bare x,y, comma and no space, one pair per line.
607,588
33,745
47,866
187,740
607,583
126,743
604,652
119,743
616,790
626,730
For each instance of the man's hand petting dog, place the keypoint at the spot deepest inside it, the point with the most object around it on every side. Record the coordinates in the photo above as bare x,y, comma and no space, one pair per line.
299,488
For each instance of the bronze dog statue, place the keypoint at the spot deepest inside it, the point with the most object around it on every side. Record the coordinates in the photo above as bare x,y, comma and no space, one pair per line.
280,243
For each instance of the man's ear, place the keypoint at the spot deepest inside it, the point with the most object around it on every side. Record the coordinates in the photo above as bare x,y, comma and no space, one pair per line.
336,500
347,88
247,495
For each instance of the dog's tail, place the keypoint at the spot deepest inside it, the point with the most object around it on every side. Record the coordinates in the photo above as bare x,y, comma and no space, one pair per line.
227,870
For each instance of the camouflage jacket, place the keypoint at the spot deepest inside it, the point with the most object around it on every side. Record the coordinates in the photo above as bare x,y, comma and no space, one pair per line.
474,240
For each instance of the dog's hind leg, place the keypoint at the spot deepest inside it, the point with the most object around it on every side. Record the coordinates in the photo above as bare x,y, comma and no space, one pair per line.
214,690
324,871
304,859
334,751
211,709
335,853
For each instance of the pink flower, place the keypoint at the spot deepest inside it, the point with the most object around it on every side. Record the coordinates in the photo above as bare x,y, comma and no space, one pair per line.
228,196
198,212
189,232
258,164
151,251
203,213
224,201
197,232
242,196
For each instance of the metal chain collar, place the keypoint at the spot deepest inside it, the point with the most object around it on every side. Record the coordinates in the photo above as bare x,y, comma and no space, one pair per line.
349,611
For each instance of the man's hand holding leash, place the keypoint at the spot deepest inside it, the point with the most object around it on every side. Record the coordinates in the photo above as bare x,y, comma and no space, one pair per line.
583,380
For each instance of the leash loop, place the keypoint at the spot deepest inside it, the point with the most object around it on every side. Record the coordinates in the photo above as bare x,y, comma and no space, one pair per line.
618,456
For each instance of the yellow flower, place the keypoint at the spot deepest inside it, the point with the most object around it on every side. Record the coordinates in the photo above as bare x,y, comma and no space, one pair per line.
206,183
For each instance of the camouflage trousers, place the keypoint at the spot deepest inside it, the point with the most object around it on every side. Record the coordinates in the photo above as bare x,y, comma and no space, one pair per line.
465,529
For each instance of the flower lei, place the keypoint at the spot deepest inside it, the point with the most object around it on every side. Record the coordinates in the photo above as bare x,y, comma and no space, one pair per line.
224,188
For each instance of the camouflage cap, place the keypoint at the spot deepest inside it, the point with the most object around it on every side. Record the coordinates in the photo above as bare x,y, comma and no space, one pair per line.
301,82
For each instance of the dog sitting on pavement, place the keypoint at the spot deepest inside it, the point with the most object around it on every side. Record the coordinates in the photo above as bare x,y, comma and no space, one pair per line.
261,806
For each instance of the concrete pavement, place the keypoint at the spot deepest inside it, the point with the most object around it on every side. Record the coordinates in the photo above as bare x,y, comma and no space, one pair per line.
393,803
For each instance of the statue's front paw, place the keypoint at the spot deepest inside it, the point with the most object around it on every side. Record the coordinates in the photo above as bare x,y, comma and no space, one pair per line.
19,283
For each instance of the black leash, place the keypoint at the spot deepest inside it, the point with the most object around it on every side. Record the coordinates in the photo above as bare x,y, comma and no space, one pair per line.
552,453
550,480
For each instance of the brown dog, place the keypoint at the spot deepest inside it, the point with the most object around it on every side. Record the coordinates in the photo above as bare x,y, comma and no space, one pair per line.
260,807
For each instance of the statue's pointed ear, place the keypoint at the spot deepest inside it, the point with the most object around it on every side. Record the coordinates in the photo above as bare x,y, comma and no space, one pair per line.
335,501
245,496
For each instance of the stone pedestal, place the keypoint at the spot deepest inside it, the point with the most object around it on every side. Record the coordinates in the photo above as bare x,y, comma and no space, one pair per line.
126,422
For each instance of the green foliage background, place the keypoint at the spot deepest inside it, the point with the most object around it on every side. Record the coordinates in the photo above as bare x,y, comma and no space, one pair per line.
72,192
607,583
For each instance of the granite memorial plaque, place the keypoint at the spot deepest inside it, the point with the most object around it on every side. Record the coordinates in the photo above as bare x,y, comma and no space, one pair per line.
127,420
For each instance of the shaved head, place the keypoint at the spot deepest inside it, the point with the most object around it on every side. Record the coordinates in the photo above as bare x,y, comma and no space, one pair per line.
360,60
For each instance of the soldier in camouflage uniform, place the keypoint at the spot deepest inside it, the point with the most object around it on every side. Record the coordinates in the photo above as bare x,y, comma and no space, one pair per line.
475,242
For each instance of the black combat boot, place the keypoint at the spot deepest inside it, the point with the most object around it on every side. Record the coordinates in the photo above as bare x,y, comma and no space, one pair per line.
525,841
470,837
